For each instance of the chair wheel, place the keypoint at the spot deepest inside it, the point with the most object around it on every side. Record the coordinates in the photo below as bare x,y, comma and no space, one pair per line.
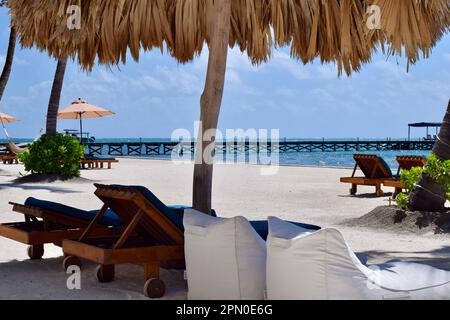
71,261
154,288
105,274
36,252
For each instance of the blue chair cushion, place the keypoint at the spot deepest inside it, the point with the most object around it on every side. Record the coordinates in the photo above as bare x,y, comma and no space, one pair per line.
92,158
262,227
109,219
171,214
386,166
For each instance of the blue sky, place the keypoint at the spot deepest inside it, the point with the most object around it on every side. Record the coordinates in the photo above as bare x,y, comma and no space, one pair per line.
157,96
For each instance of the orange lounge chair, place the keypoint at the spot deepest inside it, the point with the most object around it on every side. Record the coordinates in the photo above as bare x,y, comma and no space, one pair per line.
404,163
49,222
152,235
375,170
97,162
9,159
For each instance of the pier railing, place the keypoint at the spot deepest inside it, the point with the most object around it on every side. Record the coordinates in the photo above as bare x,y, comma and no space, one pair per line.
165,148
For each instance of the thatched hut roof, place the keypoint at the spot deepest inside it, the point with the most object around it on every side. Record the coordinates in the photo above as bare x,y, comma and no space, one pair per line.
334,30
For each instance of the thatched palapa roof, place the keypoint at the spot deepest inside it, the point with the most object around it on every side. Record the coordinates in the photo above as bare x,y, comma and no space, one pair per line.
334,30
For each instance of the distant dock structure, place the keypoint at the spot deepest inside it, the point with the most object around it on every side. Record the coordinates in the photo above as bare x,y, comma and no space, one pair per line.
149,148
427,125
166,148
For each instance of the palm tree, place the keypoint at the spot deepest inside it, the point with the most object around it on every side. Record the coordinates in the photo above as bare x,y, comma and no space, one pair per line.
55,97
210,102
8,62
429,195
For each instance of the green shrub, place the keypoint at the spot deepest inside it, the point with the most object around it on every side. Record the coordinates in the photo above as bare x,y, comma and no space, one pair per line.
410,178
437,170
59,154
402,201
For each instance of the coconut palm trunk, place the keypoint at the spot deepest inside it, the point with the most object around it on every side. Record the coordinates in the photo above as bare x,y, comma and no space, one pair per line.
8,62
55,97
210,103
429,195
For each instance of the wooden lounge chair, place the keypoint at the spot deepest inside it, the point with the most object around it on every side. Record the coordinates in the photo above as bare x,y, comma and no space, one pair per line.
48,222
375,170
153,235
404,163
97,162
12,150
9,159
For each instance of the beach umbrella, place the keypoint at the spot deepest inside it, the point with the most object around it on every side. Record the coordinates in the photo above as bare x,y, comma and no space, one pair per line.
81,109
346,32
5,118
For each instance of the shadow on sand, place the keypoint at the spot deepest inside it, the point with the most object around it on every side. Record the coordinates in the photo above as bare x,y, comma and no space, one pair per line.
366,195
46,279
44,182
439,258
37,187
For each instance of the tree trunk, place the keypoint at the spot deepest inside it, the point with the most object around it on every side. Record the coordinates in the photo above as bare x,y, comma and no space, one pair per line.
428,195
55,97
211,101
8,62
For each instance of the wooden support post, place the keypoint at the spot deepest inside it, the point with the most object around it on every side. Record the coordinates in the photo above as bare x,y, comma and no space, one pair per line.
126,234
354,170
211,100
93,223
379,191
151,270
354,189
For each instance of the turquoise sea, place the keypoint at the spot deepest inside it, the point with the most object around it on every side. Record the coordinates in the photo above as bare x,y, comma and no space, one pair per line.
317,159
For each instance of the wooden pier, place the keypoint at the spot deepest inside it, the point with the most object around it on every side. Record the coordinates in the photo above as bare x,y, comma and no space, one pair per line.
166,148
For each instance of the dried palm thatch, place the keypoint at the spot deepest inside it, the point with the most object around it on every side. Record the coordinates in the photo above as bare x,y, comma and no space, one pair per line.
334,30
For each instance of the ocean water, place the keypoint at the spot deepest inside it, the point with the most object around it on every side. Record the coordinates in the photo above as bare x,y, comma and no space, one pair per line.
338,159
309,159
342,159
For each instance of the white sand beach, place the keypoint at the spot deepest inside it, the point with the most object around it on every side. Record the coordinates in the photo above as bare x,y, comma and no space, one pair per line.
310,195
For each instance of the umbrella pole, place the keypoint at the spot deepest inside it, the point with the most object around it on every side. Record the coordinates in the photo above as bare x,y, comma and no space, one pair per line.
210,104
81,128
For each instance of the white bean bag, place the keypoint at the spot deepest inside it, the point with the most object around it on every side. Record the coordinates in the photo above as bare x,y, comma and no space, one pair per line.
320,266
225,258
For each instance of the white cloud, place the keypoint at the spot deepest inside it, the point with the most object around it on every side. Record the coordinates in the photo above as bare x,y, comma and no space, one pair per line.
240,61
21,62
153,83
180,79
108,77
392,69
39,88
284,62
17,60
285,92
327,71
233,78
